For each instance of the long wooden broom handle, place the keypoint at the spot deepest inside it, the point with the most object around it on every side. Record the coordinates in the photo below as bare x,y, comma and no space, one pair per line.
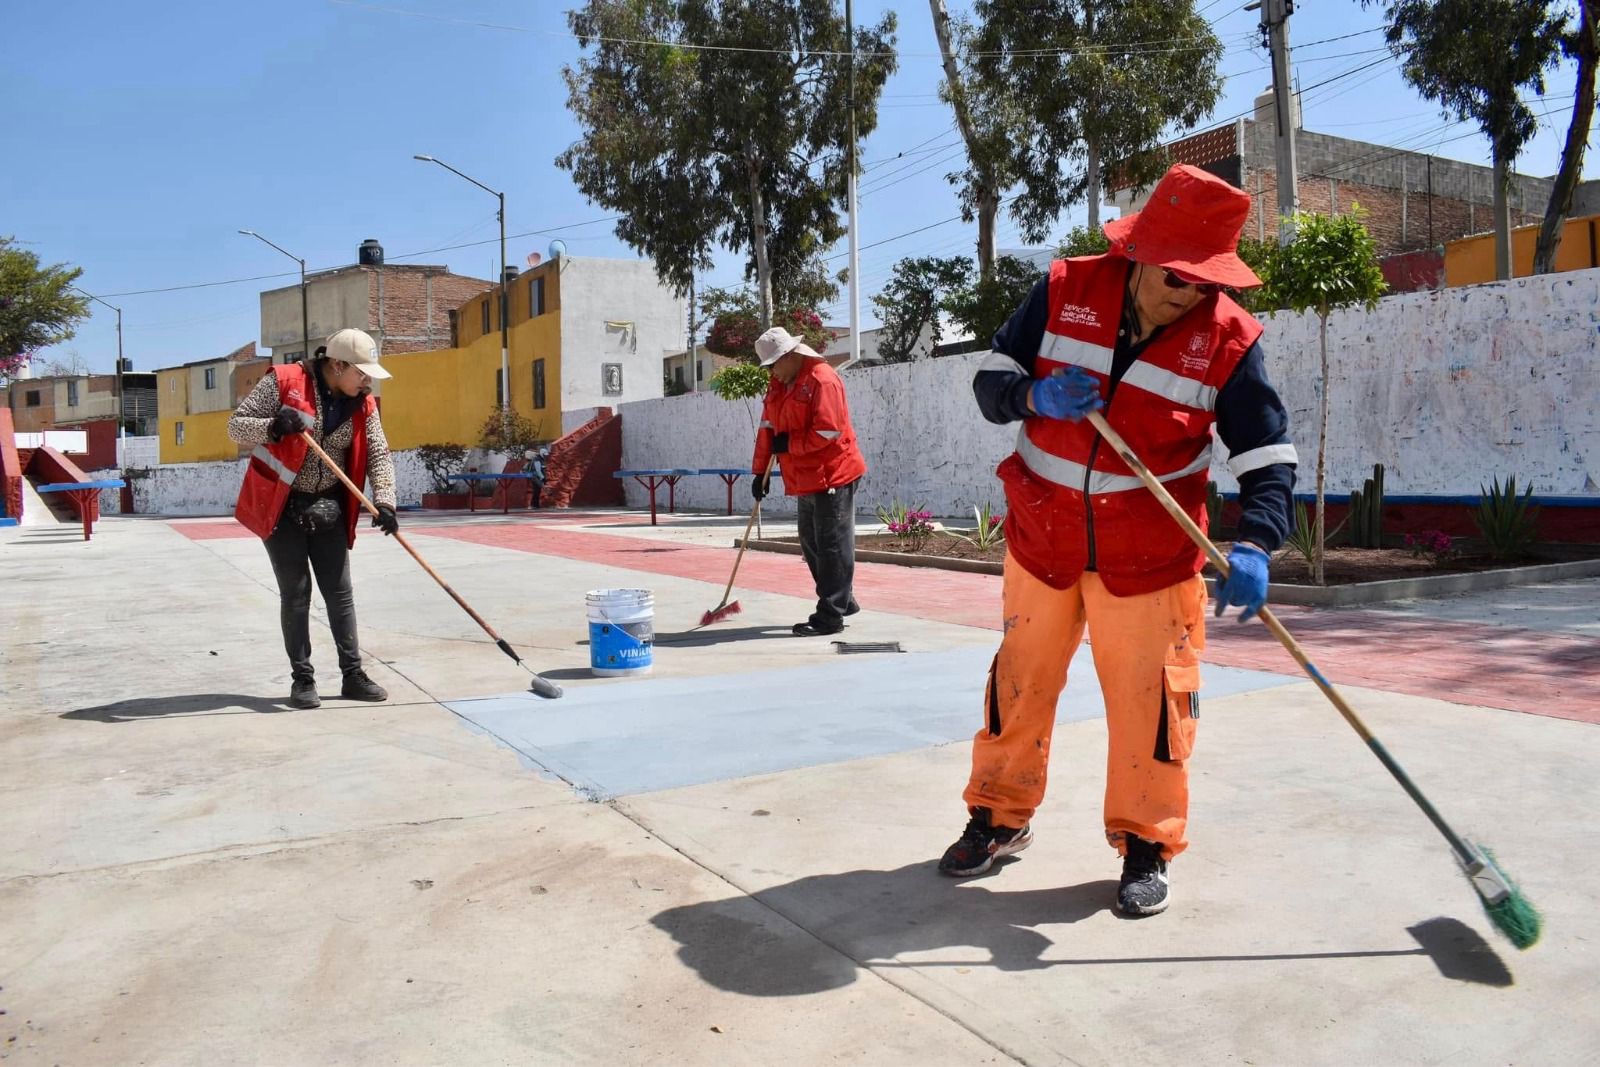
348,484
746,542
1214,554
1463,851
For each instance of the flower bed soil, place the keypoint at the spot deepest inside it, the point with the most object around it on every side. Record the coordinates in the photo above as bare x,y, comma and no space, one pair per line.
1344,565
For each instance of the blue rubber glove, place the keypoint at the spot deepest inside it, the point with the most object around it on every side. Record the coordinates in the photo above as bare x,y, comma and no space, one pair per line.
1069,394
1246,584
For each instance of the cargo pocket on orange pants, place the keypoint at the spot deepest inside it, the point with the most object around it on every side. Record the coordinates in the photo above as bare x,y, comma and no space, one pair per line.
1175,734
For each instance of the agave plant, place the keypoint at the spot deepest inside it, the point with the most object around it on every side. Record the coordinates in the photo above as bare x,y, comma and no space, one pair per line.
1507,522
991,529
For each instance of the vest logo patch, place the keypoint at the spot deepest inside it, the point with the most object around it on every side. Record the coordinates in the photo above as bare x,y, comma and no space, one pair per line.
1196,355
1078,315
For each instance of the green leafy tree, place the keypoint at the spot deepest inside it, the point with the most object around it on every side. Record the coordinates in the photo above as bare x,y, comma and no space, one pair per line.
1474,58
984,308
1583,46
1332,263
1258,256
1091,87
37,306
509,431
742,381
735,132
911,303
1082,241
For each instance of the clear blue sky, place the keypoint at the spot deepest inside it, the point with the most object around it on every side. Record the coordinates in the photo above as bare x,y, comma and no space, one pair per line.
141,136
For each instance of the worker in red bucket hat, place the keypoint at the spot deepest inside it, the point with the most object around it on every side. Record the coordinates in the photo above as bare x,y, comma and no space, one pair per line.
1148,333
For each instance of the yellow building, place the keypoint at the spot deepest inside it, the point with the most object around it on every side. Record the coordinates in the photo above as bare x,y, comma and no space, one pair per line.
445,396
1470,260
196,400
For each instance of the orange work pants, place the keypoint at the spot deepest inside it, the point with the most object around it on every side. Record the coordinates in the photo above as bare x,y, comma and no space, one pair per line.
1147,656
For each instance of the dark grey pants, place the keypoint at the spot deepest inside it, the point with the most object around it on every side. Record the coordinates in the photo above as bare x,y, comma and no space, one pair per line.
828,541
295,556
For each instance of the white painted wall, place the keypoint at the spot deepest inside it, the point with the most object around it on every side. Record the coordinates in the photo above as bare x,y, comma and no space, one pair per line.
1446,389
180,489
597,291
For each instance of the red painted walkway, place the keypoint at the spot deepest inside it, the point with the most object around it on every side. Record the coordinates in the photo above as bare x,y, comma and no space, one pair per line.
1520,670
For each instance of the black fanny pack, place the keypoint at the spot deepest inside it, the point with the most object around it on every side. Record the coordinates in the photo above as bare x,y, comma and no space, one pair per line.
316,514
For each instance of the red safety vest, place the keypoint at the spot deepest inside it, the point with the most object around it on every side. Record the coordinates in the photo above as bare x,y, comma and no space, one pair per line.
812,409
1069,496
273,467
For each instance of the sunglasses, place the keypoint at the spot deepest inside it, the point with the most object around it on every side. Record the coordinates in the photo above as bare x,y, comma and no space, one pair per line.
1176,281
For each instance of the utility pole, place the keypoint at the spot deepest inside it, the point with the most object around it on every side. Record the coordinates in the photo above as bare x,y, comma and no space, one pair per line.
850,199
122,402
1275,35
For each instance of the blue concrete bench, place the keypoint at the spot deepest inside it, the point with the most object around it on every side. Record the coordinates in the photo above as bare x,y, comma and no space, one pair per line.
85,496
505,498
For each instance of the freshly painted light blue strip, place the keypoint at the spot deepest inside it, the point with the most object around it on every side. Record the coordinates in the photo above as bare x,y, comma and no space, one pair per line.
644,734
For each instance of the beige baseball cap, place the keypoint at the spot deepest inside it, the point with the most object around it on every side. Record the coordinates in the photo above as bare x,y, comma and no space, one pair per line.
357,348
777,343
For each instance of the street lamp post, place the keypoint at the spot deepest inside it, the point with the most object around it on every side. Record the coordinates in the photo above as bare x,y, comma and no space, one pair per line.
505,305
122,402
305,321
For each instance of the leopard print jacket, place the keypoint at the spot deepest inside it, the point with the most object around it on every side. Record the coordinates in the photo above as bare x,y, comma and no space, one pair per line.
249,424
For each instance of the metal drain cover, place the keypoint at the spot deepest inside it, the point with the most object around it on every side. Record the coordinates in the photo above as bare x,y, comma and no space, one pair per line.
850,648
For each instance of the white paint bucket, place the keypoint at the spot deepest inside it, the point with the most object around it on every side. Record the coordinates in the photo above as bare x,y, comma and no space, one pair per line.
621,631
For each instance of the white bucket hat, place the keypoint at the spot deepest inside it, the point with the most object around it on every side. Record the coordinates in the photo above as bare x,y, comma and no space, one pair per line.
357,348
777,343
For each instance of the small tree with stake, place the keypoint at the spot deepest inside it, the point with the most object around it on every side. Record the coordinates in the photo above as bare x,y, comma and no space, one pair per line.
1332,263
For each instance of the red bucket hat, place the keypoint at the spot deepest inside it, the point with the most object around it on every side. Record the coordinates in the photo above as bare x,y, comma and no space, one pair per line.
1190,225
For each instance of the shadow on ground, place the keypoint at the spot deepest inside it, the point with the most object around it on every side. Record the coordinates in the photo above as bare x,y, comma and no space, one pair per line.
183,704
869,918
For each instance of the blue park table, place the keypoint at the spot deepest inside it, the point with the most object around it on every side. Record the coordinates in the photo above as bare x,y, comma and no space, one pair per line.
85,496
654,478
505,498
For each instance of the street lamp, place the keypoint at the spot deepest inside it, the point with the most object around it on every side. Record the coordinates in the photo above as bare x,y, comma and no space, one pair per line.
505,362
122,402
305,322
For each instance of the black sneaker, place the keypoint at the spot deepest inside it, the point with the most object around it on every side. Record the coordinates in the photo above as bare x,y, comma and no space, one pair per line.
814,628
1144,889
303,694
980,845
357,686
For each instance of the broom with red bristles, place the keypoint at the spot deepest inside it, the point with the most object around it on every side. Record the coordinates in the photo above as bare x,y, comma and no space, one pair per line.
724,609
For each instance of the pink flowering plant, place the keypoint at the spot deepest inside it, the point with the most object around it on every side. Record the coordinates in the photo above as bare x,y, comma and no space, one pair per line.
1439,546
913,525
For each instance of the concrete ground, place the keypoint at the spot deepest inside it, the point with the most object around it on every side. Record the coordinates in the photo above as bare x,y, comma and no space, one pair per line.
731,860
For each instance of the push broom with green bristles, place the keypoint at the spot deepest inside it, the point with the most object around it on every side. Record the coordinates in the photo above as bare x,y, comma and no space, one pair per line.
1507,908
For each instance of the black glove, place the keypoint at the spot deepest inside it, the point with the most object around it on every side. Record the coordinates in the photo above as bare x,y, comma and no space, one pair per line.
780,443
386,520
286,423
760,486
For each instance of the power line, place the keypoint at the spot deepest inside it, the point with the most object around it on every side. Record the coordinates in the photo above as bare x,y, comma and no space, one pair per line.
403,255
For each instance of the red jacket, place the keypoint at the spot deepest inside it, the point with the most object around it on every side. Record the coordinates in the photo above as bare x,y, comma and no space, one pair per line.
813,411
274,466
1070,498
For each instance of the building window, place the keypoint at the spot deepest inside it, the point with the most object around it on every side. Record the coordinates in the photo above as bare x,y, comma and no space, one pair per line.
699,370
538,384
33,398
611,379
211,377
499,388
536,297
677,377
486,316
177,433
502,298
72,394
455,328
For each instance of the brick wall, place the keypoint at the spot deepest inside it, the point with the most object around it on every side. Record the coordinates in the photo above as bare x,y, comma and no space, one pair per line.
409,296
1394,228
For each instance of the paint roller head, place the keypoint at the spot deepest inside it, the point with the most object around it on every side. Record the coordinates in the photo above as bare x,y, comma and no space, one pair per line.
544,687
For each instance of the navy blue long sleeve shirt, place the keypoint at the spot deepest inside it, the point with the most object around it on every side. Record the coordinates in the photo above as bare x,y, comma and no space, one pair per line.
1251,420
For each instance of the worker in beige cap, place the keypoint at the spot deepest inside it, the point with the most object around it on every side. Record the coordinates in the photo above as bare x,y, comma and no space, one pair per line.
805,425
294,503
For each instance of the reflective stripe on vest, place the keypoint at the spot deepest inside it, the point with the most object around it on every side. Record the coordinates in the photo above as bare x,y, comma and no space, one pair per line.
1059,348
284,473
1070,475
1190,392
